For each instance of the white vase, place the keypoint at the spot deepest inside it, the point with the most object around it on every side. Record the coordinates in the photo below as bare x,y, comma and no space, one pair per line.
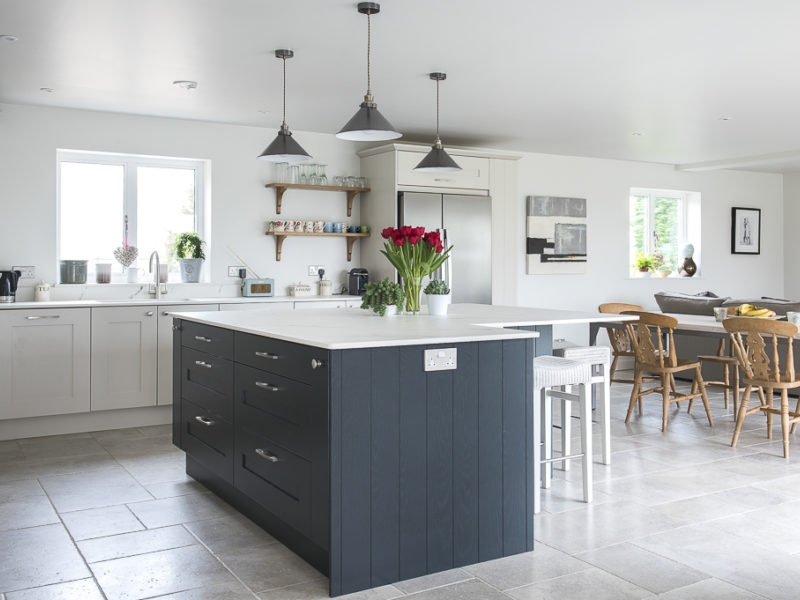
642,274
132,273
190,269
391,310
437,304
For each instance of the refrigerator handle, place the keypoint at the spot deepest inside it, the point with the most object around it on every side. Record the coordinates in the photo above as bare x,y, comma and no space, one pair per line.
446,270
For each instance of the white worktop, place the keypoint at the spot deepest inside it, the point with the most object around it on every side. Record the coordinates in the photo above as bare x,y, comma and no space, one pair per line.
340,330
167,301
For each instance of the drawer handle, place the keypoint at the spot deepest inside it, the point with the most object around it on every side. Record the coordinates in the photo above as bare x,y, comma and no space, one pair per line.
267,455
317,364
268,355
443,179
202,363
202,338
204,421
43,317
164,313
267,386
149,313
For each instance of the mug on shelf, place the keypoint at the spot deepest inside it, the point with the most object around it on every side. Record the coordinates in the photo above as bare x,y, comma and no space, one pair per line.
288,225
353,229
327,227
309,226
298,226
337,227
319,226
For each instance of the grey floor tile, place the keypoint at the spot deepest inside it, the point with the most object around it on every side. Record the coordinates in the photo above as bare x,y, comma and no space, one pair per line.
83,589
181,509
642,567
159,573
80,491
170,489
222,591
318,590
22,550
16,469
26,512
100,522
788,486
776,526
10,449
136,447
265,568
523,569
229,533
160,468
111,435
60,446
465,590
710,589
721,504
427,582
157,431
137,542
591,584
16,490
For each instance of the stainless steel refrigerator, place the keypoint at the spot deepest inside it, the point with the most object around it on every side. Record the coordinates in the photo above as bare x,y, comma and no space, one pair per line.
466,223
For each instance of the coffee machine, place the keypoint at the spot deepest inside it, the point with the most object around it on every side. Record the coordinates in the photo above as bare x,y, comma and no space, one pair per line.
356,281
8,285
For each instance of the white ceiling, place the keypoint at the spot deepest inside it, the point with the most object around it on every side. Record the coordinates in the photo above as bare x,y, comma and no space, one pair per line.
577,78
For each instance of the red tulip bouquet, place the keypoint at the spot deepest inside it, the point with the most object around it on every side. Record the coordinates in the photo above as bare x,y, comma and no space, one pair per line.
415,254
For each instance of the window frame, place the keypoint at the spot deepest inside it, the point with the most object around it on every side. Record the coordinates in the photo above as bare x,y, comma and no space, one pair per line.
129,164
648,237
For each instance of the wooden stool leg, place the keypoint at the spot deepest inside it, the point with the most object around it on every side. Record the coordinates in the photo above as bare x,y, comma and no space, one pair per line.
637,385
770,395
735,387
566,429
665,401
613,367
726,381
537,451
741,414
586,439
703,394
785,421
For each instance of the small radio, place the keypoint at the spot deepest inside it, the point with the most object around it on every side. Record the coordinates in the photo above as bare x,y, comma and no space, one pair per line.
258,287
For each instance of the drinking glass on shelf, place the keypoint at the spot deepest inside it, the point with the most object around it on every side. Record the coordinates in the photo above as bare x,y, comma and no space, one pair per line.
363,182
294,174
281,172
351,181
304,174
323,179
313,178
338,181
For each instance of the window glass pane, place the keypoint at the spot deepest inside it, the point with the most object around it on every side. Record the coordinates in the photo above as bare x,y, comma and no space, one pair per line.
91,211
638,220
667,231
165,201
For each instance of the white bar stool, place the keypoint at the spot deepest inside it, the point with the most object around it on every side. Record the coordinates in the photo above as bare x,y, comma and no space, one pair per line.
551,372
599,357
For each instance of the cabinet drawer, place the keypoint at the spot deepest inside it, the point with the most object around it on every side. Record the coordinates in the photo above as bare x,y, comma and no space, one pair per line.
277,356
275,478
208,438
207,381
206,338
277,407
474,172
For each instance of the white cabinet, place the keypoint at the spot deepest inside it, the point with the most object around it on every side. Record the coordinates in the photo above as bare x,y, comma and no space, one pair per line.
124,357
164,391
44,362
474,173
265,306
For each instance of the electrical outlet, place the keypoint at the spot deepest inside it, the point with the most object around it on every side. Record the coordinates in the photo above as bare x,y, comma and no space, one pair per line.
312,270
441,359
234,271
27,272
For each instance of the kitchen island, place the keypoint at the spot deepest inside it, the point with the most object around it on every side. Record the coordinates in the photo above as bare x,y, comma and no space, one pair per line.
378,449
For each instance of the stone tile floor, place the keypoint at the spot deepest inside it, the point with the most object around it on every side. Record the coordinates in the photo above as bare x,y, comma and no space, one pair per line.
679,515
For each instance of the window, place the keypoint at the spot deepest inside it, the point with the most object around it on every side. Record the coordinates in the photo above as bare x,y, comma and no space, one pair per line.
661,226
102,197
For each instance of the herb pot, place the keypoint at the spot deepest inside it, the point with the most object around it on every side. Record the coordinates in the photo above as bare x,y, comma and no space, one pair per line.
438,303
190,269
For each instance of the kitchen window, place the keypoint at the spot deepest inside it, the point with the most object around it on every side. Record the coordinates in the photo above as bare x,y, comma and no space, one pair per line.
662,223
104,198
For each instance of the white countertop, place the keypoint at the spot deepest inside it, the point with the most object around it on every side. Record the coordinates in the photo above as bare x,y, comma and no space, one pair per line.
170,301
340,330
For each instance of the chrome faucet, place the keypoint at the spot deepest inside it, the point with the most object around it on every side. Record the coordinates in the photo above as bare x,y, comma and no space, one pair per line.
156,289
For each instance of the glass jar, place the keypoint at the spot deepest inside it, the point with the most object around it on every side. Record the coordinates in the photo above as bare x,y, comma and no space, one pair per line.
323,179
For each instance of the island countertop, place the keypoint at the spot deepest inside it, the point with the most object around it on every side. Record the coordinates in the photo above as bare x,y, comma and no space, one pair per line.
341,330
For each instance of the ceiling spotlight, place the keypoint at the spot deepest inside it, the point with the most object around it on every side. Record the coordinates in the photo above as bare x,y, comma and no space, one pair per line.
724,118
9,38
47,90
185,84
637,134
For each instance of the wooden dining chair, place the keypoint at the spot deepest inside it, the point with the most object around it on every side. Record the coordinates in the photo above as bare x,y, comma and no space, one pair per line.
647,337
761,367
620,342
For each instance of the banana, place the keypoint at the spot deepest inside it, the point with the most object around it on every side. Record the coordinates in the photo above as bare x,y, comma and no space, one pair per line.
758,312
744,309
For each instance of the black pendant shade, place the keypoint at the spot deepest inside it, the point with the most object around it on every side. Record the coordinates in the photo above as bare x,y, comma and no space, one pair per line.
437,160
284,148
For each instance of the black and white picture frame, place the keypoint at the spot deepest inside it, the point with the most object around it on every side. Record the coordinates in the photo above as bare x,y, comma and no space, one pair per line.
745,230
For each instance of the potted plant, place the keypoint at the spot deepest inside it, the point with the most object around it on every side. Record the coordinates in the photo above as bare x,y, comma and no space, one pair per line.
643,263
189,250
383,297
438,295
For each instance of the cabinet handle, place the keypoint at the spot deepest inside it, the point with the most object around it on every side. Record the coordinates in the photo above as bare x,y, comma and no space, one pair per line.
317,364
268,355
267,455
204,421
267,386
202,338
201,363
43,317
149,313
443,179
164,313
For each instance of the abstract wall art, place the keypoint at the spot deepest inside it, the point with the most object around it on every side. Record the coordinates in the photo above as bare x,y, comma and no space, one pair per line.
556,235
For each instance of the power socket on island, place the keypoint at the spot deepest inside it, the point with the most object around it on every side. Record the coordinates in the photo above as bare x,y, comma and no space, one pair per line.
441,359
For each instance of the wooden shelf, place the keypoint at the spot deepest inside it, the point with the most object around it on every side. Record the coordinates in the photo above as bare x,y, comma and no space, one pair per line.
280,189
280,237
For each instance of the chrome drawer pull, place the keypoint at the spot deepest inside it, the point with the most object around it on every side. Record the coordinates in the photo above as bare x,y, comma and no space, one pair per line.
149,313
267,455
43,317
164,313
204,421
267,386
202,338
316,364
203,364
269,355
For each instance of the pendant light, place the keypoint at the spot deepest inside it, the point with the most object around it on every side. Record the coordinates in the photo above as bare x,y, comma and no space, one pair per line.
437,160
283,148
368,124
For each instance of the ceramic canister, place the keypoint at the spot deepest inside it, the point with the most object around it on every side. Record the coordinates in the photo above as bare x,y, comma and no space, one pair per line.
41,292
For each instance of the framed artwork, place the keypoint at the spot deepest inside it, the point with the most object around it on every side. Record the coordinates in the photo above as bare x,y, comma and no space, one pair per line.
745,230
555,235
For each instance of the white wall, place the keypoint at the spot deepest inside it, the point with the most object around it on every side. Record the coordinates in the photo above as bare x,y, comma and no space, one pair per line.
791,235
240,203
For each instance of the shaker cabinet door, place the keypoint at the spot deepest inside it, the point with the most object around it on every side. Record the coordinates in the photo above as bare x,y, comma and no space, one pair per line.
124,357
44,362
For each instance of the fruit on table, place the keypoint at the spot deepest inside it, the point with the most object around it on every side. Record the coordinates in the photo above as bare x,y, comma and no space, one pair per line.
751,310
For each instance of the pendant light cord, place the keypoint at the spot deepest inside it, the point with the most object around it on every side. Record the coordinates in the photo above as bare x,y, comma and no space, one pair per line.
437,111
284,92
369,48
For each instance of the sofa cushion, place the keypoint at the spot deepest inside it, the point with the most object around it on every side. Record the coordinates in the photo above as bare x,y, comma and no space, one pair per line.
703,303
781,307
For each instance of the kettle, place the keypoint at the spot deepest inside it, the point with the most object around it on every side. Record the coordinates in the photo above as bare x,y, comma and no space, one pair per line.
8,285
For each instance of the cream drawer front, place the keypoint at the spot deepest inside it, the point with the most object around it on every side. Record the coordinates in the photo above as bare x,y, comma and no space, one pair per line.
474,174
